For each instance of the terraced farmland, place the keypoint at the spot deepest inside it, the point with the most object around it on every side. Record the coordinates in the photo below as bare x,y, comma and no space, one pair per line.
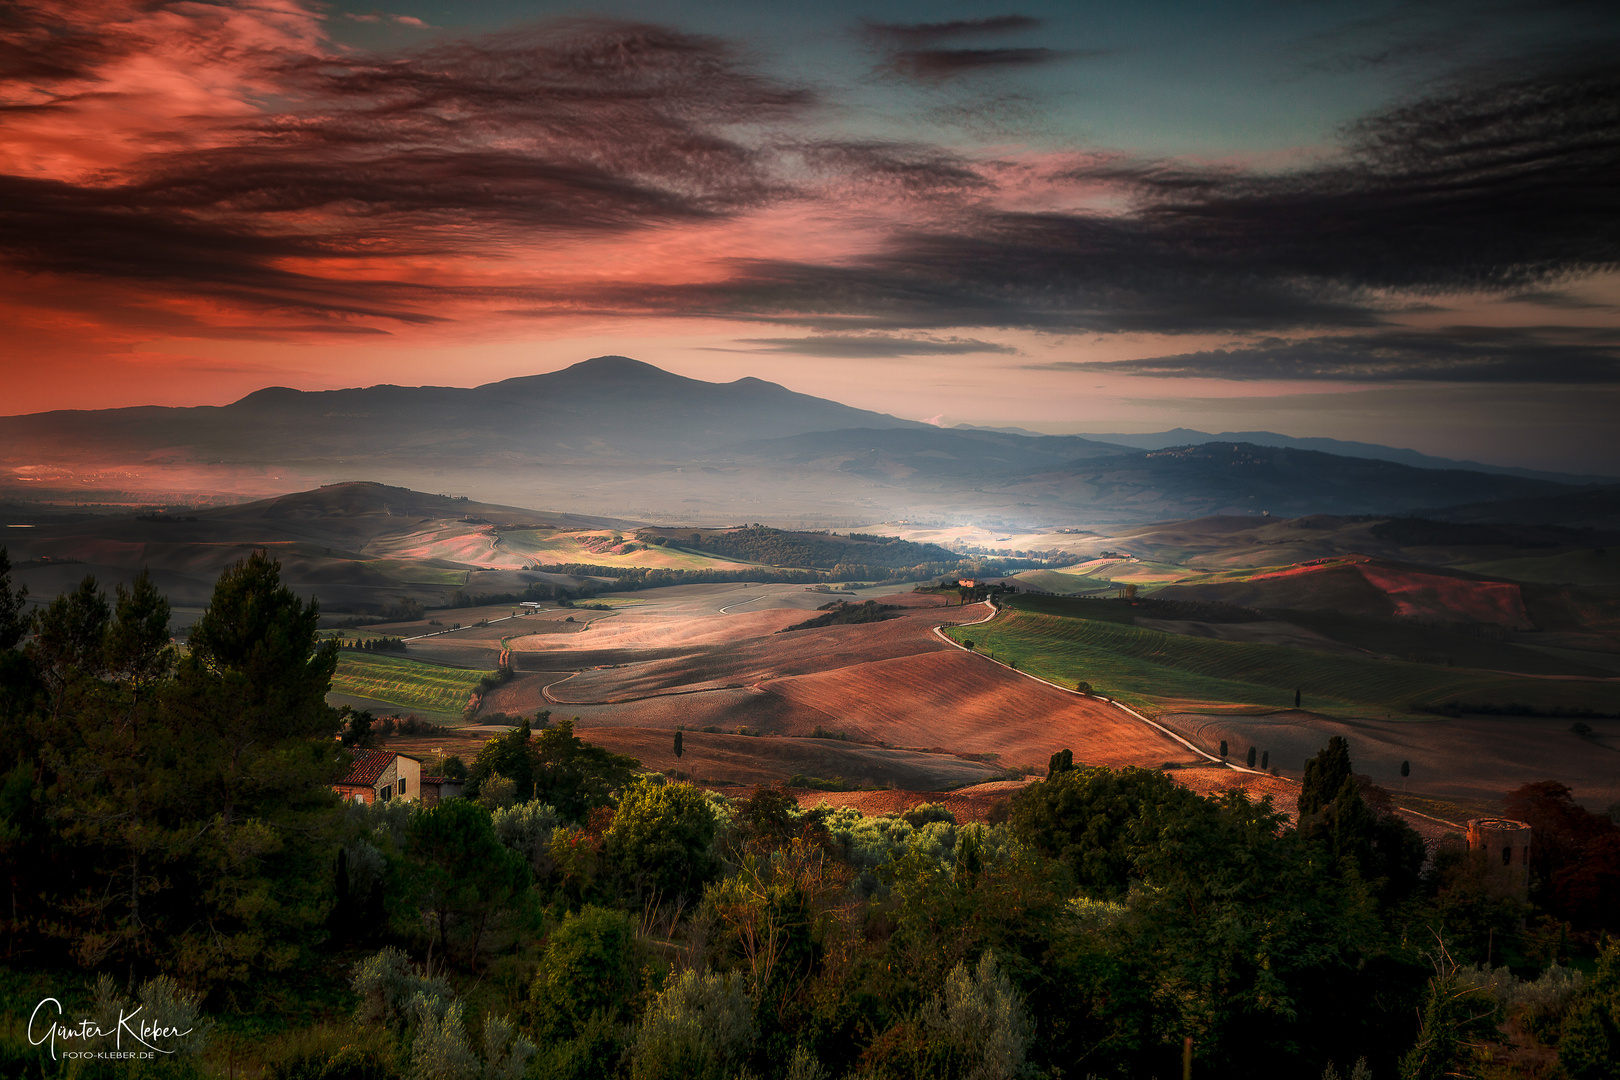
1156,669
410,684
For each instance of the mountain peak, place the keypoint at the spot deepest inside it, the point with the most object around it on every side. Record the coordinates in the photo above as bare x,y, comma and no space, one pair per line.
616,367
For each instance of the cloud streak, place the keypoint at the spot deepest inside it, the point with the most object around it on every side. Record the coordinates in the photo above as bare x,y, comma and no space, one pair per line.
918,50
873,346
1457,354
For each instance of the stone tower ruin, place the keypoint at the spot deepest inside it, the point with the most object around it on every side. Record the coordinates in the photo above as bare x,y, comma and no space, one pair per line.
1506,844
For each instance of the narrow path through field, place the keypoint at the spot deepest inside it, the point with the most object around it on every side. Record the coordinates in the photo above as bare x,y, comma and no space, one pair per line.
762,594
994,611
1160,728
545,691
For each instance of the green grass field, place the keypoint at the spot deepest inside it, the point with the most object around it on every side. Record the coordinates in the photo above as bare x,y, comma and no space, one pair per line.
1161,671
1594,568
1058,582
410,684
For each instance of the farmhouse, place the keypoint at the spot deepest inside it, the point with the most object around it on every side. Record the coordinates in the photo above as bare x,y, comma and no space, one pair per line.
381,776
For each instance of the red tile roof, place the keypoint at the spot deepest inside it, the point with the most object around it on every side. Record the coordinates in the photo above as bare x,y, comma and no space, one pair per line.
368,766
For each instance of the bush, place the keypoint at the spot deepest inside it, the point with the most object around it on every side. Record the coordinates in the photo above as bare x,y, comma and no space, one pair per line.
819,783
661,837
163,1005
591,967
497,792
1589,1048
439,1050
926,814
700,1028
386,984
526,829
977,1029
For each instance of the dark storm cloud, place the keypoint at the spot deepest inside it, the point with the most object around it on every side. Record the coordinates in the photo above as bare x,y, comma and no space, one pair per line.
1501,189
942,63
577,129
914,50
871,346
913,34
1470,354
1485,188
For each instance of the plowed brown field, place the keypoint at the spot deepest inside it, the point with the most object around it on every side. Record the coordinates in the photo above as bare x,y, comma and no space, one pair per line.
958,700
919,713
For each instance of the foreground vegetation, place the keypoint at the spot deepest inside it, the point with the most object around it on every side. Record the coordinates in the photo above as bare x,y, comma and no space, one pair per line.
1095,641
170,841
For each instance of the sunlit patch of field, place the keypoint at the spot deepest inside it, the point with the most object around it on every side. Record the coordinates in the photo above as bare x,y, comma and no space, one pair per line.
957,537
410,684
1058,582
604,547
453,541
1132,571
1154,669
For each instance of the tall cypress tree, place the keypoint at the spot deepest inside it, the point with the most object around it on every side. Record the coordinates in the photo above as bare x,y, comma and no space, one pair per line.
1325,774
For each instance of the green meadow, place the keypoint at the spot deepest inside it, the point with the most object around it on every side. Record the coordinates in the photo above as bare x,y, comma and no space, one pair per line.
1073,641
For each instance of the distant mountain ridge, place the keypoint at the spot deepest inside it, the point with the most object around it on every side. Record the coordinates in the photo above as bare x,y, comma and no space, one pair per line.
1163,440
616,438
610,406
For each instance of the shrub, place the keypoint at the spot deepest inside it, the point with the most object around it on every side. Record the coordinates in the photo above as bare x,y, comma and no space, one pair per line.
497,792
591,967
661,837
984,1012
386,984
926,814
526,829
439,1050
700,1028
1589,1048
977,1029
163,1005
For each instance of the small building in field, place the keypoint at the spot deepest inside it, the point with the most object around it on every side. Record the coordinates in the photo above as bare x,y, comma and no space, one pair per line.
435,789
382,776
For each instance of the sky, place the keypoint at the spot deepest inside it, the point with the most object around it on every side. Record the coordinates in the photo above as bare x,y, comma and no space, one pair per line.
1393,222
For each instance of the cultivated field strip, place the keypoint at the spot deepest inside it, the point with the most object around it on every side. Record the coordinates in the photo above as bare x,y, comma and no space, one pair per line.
409,684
